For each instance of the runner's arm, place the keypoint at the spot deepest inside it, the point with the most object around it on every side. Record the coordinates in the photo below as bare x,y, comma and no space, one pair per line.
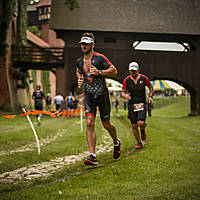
124,89
149,85
151,95
125,95
33,96
80,78
110,71
151,91
78,73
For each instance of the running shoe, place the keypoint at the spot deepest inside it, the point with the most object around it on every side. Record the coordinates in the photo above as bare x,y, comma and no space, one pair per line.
139,145
143,135
117,150
91,160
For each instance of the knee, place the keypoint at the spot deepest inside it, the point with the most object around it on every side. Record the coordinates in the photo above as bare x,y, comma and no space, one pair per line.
106,125
134,126
141,123
90,123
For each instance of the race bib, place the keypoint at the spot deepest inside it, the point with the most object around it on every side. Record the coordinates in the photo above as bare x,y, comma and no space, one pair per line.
138,107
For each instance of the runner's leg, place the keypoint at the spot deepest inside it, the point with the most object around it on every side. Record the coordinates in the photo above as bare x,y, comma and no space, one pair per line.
111,129
136,132
90,133
104,109
90,111
141,123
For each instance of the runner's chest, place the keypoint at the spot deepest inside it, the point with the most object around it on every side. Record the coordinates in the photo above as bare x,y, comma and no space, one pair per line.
136,87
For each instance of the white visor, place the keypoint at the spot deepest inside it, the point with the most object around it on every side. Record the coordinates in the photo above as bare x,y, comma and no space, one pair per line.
87,40
133,66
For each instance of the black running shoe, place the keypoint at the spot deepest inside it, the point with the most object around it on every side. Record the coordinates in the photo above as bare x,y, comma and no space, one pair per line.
117,150
91,160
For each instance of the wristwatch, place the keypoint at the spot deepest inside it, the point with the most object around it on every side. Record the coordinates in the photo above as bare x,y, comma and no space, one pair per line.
99,72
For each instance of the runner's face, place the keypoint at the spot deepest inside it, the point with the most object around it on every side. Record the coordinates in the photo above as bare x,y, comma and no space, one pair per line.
86,48
133,73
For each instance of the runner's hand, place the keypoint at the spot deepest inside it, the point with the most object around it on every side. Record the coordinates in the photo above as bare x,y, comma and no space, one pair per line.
80,81
151,101
127,97
94,70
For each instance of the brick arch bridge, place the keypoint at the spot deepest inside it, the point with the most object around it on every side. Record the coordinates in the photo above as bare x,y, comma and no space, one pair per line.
180,67
121,23
117,25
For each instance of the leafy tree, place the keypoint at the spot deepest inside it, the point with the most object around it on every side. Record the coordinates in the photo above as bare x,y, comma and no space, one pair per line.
35,30
7,9
72,4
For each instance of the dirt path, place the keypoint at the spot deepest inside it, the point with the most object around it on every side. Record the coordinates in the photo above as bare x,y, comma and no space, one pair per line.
47,168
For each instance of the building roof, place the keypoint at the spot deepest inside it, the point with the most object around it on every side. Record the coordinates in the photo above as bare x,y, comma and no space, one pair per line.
142,16
31,8
43,3
36,40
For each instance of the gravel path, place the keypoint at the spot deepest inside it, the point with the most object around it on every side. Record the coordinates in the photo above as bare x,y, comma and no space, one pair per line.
48,168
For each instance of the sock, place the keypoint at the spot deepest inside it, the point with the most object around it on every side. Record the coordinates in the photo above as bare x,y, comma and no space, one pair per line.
116,145
93,154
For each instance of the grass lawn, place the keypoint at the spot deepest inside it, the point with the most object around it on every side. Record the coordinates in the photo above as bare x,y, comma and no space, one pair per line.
167,168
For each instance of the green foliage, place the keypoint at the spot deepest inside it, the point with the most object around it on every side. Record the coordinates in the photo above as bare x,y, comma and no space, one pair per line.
45,82
34,78
6,13
22,21
167,168
72,4
35,30
7,10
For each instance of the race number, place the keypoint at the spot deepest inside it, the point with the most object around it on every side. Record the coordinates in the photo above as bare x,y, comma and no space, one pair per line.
138,107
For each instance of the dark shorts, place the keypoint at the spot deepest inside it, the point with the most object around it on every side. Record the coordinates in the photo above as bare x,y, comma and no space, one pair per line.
58,107
102,101
136,116
69,106
38,107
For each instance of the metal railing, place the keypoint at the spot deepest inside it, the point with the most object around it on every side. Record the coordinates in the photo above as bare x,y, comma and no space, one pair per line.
22,56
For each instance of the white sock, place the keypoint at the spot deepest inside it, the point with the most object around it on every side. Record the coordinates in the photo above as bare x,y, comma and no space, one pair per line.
117,143
93,154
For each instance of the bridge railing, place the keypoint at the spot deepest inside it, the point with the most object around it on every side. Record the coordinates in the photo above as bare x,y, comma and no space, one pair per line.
37,55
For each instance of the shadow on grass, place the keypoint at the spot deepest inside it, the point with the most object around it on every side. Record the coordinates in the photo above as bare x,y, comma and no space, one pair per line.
173,117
